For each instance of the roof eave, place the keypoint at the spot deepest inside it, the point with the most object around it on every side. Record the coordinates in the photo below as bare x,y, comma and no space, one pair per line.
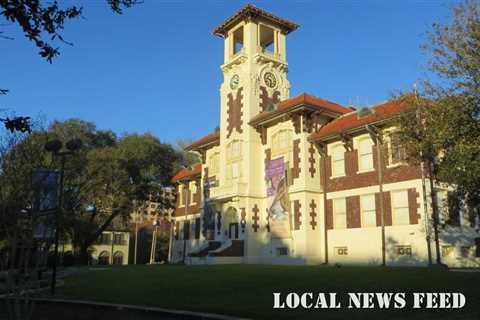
352,130
275,115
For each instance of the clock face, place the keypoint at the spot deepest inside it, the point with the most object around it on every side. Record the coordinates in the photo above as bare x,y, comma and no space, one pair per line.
270,80
234,81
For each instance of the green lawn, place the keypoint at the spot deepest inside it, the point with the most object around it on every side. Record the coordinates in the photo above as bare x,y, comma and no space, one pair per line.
246,290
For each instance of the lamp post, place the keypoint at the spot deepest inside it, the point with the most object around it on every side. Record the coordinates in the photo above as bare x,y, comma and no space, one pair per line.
185,192
55,146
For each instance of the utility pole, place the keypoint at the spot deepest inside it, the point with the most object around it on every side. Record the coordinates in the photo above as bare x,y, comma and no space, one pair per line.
377,139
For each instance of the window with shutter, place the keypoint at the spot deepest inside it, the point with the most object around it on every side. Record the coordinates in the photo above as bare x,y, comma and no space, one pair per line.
369,217
338,160
365,154
339,213
400,209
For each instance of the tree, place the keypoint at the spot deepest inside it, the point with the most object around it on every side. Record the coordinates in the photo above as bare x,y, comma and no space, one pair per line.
188,158
443,128
22,255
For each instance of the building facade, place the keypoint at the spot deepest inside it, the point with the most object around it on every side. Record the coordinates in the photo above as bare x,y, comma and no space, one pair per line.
302,180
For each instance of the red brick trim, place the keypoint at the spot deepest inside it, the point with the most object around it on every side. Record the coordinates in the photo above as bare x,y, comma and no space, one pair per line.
297,222
312,169
353,180
267,218
329,214
313,214
266,101
234,118
296,159
255,218
243,221
413,205
353,212
387,207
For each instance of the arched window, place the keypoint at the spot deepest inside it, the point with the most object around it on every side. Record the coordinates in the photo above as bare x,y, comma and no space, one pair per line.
118,258
104,258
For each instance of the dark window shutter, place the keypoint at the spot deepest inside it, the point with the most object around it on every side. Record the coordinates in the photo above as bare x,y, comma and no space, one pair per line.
197,228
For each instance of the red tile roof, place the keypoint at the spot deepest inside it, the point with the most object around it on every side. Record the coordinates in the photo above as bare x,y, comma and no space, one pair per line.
209,138
302,99
351,120
305,98
251,11
188,172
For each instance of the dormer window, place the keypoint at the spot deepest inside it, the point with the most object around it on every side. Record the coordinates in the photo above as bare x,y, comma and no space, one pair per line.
267,39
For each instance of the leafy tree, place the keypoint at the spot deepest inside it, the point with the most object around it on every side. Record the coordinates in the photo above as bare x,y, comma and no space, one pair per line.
443,129
188,158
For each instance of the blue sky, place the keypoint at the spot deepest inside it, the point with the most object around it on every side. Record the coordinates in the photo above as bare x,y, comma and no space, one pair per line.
156,67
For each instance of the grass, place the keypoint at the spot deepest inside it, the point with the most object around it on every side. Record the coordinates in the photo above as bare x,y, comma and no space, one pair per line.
246,290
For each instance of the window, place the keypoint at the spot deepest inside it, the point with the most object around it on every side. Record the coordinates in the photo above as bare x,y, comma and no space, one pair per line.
181,191
193,192
339,213
401,212
267,39
238,40
447,251
118,239
186,230
234,150
403,250
369,216
338,160
465,252
106,238
398,152
341,251
281,142
197,228
213,164
365,154
282,251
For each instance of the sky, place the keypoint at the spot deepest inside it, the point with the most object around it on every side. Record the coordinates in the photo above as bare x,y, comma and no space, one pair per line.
156,68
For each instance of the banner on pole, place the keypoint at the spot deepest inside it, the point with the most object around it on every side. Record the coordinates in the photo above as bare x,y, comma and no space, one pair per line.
277,198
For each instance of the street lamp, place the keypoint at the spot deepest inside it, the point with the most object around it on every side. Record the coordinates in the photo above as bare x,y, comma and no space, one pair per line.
55,147
185,196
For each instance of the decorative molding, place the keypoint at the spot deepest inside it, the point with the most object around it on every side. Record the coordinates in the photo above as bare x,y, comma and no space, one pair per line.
311,159
241,58
235,114
296,159
267,102
313,214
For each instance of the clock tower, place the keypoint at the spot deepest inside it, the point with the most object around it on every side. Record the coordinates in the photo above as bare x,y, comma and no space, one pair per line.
255,81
